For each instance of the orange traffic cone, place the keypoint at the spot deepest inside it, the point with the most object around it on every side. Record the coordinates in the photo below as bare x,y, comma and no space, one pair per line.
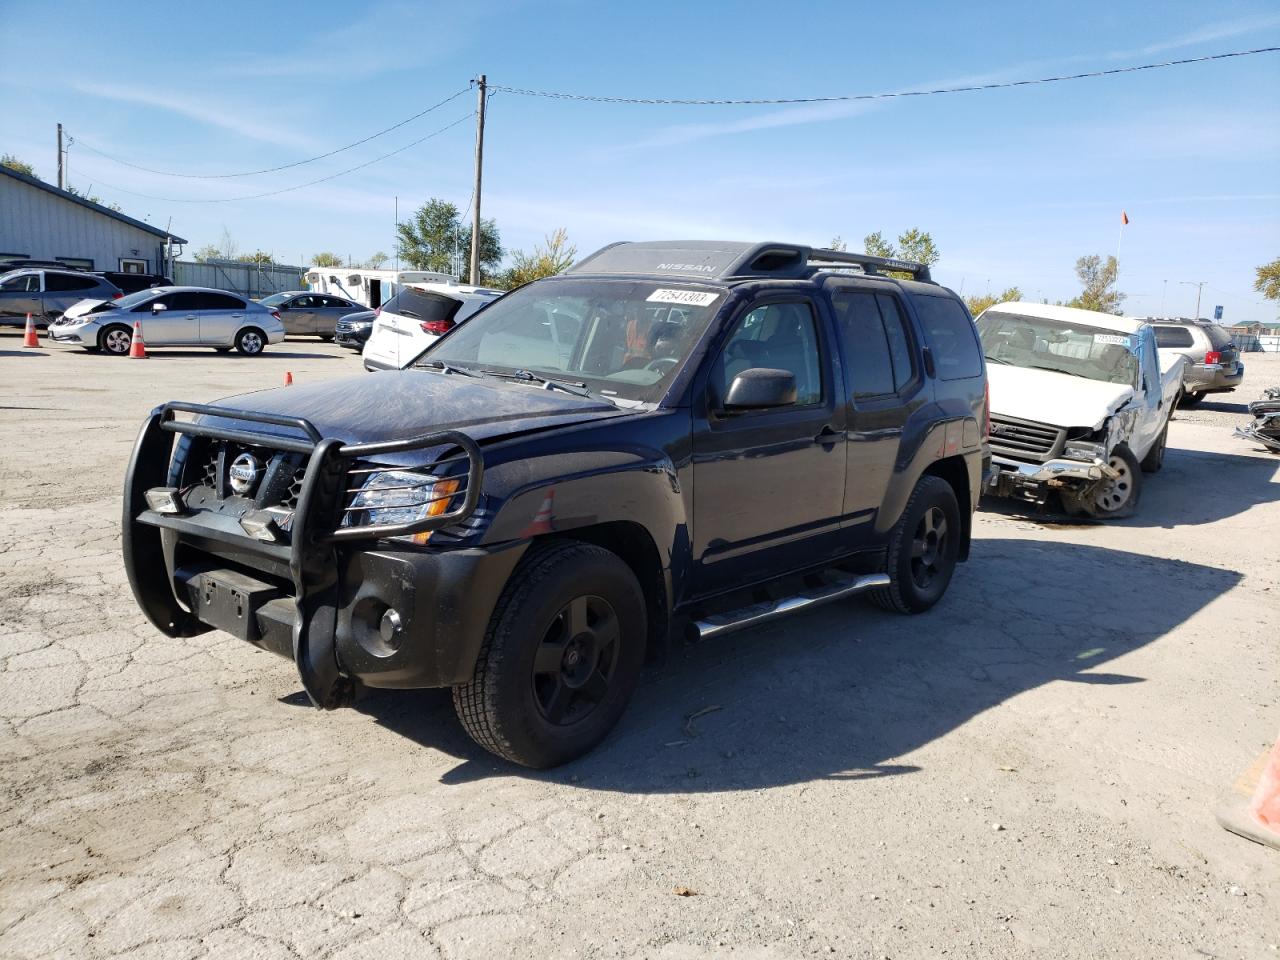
137,347
288,379
30,338
1265,806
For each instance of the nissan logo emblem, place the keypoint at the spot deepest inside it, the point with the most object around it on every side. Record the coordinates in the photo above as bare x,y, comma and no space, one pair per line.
243,473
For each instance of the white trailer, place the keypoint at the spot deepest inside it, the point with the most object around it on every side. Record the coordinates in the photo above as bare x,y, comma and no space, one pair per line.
372,288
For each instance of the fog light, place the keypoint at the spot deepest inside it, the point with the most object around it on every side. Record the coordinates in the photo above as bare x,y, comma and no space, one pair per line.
260,525
164,500
389,628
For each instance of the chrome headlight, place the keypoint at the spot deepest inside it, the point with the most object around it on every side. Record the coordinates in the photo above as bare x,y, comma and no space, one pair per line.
1084,450
391,497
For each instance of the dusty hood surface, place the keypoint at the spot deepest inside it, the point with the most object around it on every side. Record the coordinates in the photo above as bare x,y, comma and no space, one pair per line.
397,404
1054,398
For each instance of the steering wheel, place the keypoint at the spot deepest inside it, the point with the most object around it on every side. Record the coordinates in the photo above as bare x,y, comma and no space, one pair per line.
662,365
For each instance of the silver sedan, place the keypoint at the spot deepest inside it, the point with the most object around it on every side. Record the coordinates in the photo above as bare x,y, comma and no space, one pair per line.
171,317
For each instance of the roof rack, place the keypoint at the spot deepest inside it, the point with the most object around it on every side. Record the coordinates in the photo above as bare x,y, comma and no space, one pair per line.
717,260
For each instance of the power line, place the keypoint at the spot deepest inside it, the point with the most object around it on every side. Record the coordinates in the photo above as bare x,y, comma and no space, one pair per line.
310,183
556,95
283,166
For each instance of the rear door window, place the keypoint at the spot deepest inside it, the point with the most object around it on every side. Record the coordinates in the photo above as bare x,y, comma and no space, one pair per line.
865,345
951,334
218,301
63,281
1174,337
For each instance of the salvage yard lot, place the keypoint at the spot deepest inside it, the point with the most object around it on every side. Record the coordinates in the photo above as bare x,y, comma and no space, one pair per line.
1030,769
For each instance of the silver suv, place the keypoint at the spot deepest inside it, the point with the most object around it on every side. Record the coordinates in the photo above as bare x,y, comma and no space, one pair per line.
46,294
1214,365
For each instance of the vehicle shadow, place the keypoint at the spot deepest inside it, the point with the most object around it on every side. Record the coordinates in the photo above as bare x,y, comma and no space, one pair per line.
1214,406
845,691
1193,487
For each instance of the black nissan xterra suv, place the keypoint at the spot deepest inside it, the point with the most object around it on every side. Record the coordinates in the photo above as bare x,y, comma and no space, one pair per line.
669,438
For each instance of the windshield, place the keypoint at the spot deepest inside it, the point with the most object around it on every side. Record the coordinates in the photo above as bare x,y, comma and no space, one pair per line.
1078,350
134,299
621,338
276,299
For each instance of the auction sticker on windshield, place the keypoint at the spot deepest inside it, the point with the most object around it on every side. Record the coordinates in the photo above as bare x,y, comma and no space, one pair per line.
1115,338
690,298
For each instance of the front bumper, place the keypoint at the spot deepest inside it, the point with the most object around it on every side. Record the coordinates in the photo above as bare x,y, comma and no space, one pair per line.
316,592
1011,477
73,333
352,338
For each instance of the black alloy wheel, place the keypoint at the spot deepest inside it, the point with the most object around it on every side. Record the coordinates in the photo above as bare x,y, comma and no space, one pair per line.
576,660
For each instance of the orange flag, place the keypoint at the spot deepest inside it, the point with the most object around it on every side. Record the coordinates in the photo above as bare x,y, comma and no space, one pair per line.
1124,219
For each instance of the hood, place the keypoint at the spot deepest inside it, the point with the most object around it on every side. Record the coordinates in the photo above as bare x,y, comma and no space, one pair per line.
398,404
83,307
1054,398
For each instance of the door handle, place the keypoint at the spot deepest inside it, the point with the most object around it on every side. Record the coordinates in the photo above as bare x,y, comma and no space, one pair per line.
829,438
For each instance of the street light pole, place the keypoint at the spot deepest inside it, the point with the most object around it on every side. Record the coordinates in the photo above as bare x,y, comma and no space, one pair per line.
1199,285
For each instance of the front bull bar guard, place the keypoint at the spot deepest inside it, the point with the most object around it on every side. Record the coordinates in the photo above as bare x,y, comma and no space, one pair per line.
315,530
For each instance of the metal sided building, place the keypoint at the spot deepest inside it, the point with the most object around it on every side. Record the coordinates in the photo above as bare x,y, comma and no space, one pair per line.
40,222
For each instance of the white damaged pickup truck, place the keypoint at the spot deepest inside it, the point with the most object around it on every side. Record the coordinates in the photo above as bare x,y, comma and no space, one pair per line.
1080,405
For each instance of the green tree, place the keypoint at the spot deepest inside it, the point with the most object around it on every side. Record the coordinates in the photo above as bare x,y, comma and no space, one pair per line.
13,163
326,258
913,244
977,303
377,260
1268,282
428,239
1098,277
257,257
556,256
837,243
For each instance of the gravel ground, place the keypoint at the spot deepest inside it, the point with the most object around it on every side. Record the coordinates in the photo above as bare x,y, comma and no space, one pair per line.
1028,770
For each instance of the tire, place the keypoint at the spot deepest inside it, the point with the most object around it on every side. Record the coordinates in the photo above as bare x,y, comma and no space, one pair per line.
924,547
1190,400
538,717
1120,497
116,340
1154,459
222,349
326,337
251,341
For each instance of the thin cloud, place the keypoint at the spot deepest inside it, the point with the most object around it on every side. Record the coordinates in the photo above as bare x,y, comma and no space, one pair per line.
197,108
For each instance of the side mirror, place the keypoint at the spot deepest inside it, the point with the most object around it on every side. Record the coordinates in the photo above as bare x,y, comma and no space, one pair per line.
760,389
283,306
157,307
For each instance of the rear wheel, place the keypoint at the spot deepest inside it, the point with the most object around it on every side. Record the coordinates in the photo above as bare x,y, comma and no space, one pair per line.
1154,459
116,339
251,341
923,549
326,337
1191,400
561,656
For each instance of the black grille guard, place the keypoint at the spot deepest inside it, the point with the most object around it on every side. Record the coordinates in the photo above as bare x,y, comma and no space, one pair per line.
315,531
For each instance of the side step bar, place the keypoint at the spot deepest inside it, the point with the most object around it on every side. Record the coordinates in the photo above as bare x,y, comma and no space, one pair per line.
721,623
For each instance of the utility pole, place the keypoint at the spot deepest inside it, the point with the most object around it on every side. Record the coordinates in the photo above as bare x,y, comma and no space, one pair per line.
62,180
1199,285
475,213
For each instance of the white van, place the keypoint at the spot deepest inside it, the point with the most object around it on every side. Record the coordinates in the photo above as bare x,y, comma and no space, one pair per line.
415,318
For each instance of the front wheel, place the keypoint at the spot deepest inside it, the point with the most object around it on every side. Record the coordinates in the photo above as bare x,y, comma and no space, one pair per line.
251,341
561,656
923,549
116,340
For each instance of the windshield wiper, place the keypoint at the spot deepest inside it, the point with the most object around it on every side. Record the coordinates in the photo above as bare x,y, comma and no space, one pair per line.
1069,373
997,360
574,387
444,367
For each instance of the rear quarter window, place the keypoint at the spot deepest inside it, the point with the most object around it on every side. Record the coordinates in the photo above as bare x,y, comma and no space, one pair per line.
951,335
1218,336
1174,337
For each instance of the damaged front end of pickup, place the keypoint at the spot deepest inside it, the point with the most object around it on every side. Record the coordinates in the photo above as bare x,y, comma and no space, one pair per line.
1034,461
243,521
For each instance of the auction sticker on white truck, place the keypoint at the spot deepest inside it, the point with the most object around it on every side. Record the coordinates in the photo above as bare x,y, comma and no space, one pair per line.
690,298
1115,338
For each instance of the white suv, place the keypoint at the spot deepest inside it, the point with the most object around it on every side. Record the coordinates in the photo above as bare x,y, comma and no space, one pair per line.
415,318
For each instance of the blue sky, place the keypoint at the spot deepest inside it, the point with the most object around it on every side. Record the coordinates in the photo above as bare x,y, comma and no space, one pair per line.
1014,185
